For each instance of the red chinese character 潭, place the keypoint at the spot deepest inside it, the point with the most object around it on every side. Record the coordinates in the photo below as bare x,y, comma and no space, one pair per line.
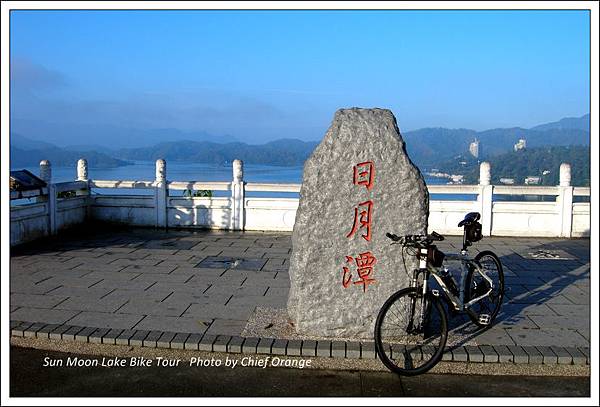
347,277
364,263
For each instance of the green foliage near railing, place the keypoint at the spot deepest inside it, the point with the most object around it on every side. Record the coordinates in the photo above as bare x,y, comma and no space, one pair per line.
66,194
202,193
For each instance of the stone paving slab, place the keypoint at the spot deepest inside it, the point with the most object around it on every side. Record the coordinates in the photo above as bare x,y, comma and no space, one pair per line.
151,339
42,301
174,324
98,335
111,336
142,287
250,345
165,340
71,292
235,344
106,320
50,316
547,337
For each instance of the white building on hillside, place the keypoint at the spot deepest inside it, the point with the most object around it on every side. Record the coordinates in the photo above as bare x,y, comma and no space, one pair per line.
474,148
521,144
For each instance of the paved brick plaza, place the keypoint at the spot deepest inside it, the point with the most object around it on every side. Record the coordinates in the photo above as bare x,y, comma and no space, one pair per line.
209,283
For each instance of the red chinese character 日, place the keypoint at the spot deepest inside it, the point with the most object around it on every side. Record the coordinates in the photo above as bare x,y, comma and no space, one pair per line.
364,174
362,220
364,263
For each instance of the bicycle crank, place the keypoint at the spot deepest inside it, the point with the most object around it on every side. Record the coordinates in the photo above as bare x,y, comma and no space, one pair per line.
484,319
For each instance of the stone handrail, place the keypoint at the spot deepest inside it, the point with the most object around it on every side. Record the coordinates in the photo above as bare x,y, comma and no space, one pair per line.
28,194
453,189
525,190
265,187
581,191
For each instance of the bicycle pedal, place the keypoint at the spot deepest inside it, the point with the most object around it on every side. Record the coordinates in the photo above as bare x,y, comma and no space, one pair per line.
485,319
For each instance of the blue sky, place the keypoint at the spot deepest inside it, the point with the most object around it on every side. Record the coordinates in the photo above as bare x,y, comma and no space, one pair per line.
261,75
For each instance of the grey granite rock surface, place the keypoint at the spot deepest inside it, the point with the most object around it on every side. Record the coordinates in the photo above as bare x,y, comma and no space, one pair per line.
330,207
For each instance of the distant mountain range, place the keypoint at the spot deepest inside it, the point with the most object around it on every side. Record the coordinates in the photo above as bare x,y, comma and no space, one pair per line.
579,123
427,147
70,134
284,152
26,152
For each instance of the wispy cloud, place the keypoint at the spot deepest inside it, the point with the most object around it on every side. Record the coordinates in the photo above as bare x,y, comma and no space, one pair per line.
28,75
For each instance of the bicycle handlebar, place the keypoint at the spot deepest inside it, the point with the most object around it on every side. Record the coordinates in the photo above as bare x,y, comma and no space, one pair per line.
416,240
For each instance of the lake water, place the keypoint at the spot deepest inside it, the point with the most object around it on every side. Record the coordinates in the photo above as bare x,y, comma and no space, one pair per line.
177,171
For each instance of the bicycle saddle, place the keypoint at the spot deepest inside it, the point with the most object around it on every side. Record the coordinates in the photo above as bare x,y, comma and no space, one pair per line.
469,219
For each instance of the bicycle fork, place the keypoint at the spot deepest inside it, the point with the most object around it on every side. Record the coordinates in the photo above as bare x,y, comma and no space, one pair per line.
422,299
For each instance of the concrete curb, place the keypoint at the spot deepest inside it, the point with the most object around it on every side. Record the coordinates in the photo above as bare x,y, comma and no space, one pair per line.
490,354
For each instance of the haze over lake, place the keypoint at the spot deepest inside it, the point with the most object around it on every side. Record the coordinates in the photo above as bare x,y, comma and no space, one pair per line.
178,171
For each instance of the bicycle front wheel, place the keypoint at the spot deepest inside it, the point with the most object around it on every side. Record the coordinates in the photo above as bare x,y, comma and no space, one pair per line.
410,332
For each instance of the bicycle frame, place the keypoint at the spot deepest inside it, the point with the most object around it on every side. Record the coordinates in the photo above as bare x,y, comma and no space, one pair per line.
456,299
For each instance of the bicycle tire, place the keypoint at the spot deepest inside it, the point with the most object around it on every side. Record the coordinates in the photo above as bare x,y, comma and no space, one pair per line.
487,256
400,356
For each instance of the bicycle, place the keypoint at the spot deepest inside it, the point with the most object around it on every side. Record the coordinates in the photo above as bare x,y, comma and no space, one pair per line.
411,329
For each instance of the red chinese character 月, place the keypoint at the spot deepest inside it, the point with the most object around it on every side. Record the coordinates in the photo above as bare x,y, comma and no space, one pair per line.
362,220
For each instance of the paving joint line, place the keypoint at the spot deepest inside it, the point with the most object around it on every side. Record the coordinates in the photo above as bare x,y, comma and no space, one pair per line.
97,282
108,293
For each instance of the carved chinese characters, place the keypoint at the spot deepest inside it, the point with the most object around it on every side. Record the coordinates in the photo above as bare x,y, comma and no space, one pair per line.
364,263
364,174
357,185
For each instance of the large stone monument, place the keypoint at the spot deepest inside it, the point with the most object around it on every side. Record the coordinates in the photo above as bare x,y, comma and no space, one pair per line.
358,184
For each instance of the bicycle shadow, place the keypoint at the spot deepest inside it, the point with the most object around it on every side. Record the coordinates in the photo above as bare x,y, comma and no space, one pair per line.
541,293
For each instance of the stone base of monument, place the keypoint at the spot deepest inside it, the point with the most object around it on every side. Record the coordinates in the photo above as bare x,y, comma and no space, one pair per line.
268,322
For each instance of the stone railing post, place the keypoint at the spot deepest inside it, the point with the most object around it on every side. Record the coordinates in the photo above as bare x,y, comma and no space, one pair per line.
237,220
82,169
46,176
486,192
160,193
46,171
564,201
82,175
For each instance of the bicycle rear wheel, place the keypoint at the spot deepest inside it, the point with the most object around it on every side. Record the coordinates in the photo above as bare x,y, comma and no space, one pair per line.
476,286
411,332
